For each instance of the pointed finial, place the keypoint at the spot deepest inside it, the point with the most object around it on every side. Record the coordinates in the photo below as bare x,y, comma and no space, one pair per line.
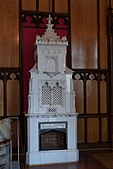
49,19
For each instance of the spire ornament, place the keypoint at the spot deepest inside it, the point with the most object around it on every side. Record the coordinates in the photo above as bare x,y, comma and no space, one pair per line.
49,19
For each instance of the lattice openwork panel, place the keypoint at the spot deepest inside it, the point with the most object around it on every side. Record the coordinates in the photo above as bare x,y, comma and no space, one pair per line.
46,94
51,94
57,94
52,110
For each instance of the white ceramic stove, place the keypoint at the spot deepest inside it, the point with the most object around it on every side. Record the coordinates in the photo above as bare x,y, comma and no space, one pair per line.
52,116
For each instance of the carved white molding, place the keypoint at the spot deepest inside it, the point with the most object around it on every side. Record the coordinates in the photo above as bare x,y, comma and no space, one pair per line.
52,49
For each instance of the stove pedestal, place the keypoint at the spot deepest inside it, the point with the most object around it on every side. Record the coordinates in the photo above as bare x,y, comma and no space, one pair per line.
36,157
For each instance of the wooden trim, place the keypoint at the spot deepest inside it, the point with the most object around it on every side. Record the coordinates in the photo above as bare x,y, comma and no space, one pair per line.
98,33
94,146
110,64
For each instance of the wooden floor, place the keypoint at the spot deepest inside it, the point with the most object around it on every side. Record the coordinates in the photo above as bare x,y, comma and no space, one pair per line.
87,161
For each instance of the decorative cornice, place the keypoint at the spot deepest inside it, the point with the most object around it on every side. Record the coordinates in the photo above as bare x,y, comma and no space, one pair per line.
52,115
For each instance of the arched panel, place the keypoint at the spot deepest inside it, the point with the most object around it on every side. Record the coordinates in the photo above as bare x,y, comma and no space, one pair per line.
51,65
79,91
92,96
13,96
103,97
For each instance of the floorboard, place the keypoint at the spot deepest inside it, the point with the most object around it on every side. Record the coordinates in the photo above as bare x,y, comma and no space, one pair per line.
87,161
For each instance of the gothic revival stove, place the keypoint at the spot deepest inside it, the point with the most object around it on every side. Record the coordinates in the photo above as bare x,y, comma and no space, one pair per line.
52,117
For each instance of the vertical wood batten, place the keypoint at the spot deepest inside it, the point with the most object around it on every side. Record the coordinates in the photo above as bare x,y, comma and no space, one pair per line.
13,98
110,66
45,5
104,130
79,99
9,31
80,135
98,34
92,130
103,34
29,5
103,97
92,96
61,6
84,33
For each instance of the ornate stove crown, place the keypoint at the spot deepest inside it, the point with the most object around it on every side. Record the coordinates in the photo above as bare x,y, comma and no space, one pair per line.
50,36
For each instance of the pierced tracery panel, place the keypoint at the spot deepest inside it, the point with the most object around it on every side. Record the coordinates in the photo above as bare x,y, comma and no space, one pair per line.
51,94
57,94
46,94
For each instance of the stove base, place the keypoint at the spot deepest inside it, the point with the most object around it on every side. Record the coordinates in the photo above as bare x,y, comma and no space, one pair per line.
51,157
35,156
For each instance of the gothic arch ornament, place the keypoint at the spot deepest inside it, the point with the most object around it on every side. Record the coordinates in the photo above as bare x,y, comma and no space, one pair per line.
51,64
